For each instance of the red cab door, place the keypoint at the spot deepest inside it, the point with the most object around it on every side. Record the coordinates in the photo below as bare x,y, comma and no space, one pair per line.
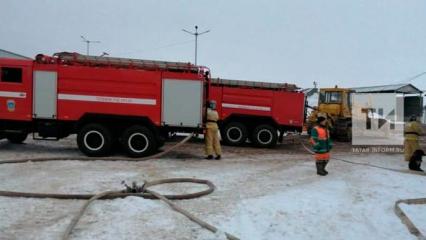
15,89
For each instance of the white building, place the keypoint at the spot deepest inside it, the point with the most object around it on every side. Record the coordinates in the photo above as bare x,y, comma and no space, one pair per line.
413,97
8,54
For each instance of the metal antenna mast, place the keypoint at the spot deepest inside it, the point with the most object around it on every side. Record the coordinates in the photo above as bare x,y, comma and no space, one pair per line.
196,34
88,42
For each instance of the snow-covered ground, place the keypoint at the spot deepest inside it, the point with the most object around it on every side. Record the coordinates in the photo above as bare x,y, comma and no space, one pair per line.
261,194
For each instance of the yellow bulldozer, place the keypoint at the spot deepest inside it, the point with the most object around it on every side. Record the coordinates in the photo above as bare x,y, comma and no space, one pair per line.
335,105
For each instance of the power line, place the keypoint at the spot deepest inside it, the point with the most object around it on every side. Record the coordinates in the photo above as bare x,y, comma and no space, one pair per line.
415,77
410,79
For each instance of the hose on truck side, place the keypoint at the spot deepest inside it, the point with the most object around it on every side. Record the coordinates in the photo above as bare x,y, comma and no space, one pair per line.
82,158
138,191
397,209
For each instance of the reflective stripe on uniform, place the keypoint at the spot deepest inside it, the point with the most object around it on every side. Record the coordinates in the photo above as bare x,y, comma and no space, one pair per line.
322,156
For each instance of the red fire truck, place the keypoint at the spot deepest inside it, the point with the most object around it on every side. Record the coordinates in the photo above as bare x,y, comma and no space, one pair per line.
258,111
103,100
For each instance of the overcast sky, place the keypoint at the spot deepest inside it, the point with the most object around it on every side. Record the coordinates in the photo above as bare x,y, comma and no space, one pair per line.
349,43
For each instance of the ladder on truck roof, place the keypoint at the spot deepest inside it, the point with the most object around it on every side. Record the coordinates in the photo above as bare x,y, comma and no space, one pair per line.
253,84
79,59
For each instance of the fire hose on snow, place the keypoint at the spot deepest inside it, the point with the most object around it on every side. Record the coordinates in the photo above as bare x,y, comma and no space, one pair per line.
397,209
143,191
134,190
367,164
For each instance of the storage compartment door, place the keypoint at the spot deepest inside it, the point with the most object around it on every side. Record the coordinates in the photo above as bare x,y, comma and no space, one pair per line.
45,94
182,103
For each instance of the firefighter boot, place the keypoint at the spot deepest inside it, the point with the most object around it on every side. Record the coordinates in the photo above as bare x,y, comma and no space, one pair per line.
320,169
322,166
325,165
218,157
317,164
209,157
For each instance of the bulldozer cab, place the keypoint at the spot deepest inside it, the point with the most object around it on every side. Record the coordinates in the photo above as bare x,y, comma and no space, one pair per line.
335,102
335,105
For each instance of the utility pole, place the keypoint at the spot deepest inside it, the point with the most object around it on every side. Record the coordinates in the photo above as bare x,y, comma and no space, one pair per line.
196,34
88,42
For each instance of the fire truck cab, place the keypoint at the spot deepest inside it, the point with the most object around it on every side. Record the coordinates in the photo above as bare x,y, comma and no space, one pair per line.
105,101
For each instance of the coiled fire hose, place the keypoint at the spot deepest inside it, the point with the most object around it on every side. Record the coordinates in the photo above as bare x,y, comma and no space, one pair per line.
134,190
397,209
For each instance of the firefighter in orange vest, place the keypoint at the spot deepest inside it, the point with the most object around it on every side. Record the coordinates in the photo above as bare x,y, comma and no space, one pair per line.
212,132
321,142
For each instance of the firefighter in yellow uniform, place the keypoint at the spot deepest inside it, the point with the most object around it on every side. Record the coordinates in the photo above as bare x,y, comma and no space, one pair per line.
412,131
212,133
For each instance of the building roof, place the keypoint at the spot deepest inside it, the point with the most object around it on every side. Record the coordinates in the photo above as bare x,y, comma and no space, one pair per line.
392,88
8,54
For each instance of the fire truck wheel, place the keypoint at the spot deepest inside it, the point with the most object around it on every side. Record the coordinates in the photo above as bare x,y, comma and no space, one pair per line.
17,138
265,136
234,134
138,141
95,140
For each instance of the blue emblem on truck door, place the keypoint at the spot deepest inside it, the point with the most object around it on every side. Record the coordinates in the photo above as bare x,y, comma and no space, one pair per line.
11,105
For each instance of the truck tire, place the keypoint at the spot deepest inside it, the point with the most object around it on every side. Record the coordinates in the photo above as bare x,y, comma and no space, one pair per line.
264,136
234,134
138,141
17,138
95,140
